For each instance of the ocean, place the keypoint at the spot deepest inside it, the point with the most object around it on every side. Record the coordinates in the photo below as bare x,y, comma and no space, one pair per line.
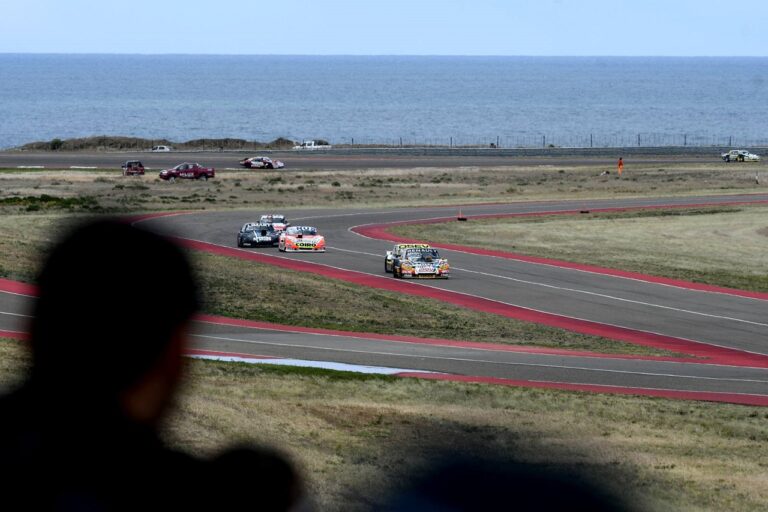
512,101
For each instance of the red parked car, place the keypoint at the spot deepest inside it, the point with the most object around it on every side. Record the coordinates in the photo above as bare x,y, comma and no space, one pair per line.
188,171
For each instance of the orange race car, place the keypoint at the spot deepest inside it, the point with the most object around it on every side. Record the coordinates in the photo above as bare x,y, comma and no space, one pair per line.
301,238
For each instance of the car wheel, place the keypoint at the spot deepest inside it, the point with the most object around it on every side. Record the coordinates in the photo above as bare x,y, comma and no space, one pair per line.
204,177
172,179
387,269
727,159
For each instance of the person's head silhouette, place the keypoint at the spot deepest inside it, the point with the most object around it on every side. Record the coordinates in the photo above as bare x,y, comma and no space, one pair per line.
108,326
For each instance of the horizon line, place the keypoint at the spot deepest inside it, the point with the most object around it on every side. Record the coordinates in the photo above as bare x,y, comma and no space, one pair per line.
182,54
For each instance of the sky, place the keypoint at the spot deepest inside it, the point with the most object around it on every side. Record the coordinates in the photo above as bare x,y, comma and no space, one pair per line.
388,27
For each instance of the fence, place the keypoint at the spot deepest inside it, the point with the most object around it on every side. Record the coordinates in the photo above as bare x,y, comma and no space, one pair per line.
623,140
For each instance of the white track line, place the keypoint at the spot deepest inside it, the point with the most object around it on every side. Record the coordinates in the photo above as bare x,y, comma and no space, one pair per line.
469,360
585,292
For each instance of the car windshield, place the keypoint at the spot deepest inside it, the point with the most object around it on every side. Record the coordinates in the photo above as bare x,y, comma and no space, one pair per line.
303,230
422,255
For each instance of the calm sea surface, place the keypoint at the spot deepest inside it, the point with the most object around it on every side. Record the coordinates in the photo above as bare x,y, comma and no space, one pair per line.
519,100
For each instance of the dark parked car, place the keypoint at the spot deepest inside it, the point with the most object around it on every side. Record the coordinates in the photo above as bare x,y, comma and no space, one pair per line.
188,171
133,168
253,235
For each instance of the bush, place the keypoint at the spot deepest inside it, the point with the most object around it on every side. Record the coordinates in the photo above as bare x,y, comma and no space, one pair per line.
56,144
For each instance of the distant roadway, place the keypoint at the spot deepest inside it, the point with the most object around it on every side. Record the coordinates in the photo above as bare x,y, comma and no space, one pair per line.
347,159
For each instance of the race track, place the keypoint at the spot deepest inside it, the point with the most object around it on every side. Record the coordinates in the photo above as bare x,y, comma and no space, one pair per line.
725,332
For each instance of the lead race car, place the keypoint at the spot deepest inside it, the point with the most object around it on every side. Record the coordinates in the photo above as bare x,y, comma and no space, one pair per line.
254,234
276,219
422,262
301,239
397,251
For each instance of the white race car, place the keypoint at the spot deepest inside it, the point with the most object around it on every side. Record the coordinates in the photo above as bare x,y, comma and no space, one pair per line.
261,162
740,155
278,221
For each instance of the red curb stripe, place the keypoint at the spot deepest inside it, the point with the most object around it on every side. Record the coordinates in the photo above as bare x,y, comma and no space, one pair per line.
17,287
734,398
381,232
14,335
479,345
721,355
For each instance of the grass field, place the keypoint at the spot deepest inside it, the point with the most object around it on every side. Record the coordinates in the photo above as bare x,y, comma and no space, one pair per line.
355,436
107,190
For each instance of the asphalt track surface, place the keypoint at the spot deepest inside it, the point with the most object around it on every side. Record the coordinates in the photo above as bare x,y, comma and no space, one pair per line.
725,332
353,160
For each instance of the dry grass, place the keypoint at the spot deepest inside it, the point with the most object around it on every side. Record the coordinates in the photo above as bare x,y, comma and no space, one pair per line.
107,190
720,246
357,436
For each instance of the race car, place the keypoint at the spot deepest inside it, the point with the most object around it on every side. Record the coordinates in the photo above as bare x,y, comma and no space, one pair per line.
254,234
397,251
301,238
277,220
739,155
421,262
261,162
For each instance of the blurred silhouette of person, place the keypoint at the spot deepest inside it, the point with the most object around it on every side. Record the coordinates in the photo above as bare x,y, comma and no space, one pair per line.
109,327
458,482
620,166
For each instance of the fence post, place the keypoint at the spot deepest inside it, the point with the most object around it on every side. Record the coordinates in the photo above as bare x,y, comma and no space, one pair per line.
451,143
543,141
638,140
685,139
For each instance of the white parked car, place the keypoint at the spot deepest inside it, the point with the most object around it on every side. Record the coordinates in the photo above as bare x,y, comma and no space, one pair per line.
740,155
312,144
161,149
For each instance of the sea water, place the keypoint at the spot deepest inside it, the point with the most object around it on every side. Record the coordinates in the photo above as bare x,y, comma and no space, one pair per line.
512,101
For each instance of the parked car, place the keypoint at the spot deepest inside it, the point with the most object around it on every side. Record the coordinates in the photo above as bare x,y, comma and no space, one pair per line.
133,168
161,149
261,162
188,171
312,144
739,155
254,234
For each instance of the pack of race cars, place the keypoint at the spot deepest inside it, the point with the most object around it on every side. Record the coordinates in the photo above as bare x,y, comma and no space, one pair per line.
403,261
275,230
